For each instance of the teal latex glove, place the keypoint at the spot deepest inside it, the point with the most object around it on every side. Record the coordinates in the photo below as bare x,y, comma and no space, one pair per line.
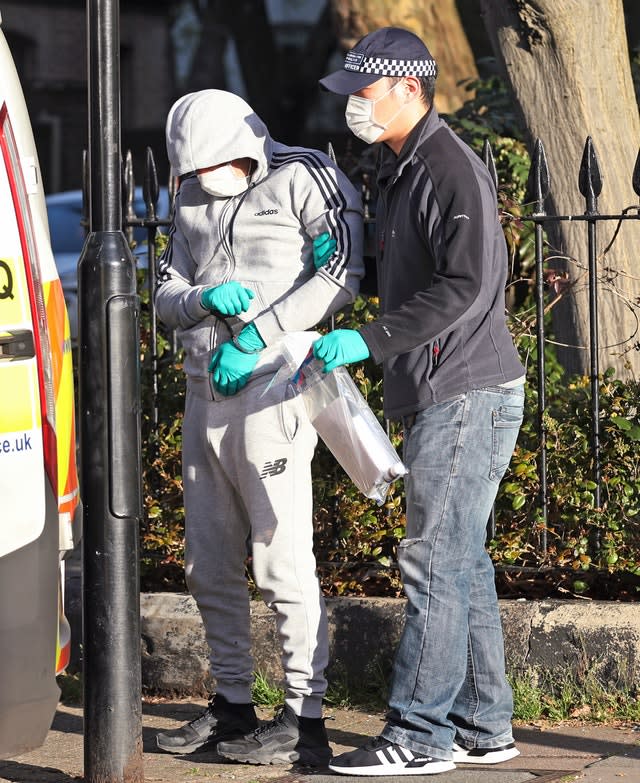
342,346
227,299
231,368
249,339
324,246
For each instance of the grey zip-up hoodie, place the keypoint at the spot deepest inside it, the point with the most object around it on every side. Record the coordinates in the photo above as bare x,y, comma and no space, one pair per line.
261,238
442,269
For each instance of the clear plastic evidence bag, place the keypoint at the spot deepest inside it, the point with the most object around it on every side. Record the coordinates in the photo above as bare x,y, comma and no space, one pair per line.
342,418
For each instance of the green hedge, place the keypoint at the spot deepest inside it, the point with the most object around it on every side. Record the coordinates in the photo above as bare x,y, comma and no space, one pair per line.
356,540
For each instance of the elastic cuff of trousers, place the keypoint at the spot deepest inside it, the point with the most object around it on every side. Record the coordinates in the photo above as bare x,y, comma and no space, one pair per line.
305,706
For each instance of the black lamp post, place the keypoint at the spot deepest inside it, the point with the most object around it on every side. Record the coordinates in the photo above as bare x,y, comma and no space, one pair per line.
109,434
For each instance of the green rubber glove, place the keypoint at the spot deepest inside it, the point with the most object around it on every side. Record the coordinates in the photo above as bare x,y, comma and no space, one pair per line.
231,368
227,299
324,246
342,346
249,339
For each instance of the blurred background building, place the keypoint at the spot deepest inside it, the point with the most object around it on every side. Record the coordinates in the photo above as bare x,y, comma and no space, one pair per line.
48,42
271,52
259,50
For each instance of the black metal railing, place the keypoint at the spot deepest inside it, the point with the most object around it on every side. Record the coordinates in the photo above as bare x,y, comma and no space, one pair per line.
590,185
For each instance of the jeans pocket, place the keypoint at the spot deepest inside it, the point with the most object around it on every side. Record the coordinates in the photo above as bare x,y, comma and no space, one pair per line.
506,425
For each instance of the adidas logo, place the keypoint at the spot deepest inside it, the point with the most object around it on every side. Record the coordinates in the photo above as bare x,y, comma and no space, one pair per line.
266,212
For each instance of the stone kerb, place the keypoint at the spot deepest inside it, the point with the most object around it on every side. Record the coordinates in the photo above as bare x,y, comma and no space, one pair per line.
577,636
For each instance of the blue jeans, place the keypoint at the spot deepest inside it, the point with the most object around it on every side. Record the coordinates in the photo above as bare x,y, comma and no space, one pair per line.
449,678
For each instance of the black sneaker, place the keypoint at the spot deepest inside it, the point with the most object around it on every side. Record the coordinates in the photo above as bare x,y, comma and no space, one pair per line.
221,720
287,738
484,755
381,757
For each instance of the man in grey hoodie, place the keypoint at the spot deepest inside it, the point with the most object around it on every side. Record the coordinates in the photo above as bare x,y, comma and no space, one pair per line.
239,274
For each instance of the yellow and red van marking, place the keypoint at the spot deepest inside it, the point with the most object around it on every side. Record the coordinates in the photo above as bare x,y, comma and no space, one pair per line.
31,268
60,341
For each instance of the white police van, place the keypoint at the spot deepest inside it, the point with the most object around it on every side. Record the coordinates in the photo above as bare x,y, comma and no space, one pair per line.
39,500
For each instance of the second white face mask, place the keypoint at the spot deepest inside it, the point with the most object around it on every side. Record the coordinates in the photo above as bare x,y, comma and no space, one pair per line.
222,182
359,116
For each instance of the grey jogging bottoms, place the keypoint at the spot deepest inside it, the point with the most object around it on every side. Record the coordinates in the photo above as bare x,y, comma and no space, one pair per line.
247,488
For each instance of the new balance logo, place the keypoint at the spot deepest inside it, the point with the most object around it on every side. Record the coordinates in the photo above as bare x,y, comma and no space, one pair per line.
266,212
274,468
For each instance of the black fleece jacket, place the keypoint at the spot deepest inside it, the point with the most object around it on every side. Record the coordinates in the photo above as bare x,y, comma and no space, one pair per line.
441,267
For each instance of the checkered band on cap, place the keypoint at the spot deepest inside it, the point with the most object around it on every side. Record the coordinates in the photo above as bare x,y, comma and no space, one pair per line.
385,66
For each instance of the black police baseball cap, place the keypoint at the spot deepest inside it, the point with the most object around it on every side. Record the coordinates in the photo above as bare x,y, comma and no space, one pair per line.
390,51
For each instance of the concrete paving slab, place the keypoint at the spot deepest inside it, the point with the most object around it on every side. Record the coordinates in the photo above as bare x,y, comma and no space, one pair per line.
566,752
613,769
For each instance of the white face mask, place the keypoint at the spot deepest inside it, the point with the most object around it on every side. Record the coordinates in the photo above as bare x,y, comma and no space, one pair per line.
359,116
223,182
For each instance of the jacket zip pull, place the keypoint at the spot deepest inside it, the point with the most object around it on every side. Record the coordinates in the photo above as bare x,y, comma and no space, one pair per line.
436,353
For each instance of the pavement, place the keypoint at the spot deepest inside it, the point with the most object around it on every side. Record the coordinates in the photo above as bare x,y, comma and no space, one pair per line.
567,752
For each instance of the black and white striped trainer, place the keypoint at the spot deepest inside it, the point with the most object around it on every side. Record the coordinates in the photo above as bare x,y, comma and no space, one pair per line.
381,757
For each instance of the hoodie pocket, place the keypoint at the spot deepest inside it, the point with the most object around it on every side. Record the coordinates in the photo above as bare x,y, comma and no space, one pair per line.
430,360
291,410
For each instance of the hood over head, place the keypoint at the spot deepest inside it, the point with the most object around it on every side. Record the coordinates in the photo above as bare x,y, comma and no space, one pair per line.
209,127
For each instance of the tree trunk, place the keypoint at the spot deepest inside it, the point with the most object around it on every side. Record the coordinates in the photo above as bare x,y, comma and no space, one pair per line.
568,65
437,23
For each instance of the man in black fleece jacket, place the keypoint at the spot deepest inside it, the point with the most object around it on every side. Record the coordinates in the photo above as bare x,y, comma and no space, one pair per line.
452,374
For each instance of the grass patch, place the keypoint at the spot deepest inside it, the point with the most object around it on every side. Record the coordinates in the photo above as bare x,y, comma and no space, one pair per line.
537,694
562,696
369,690
265,693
